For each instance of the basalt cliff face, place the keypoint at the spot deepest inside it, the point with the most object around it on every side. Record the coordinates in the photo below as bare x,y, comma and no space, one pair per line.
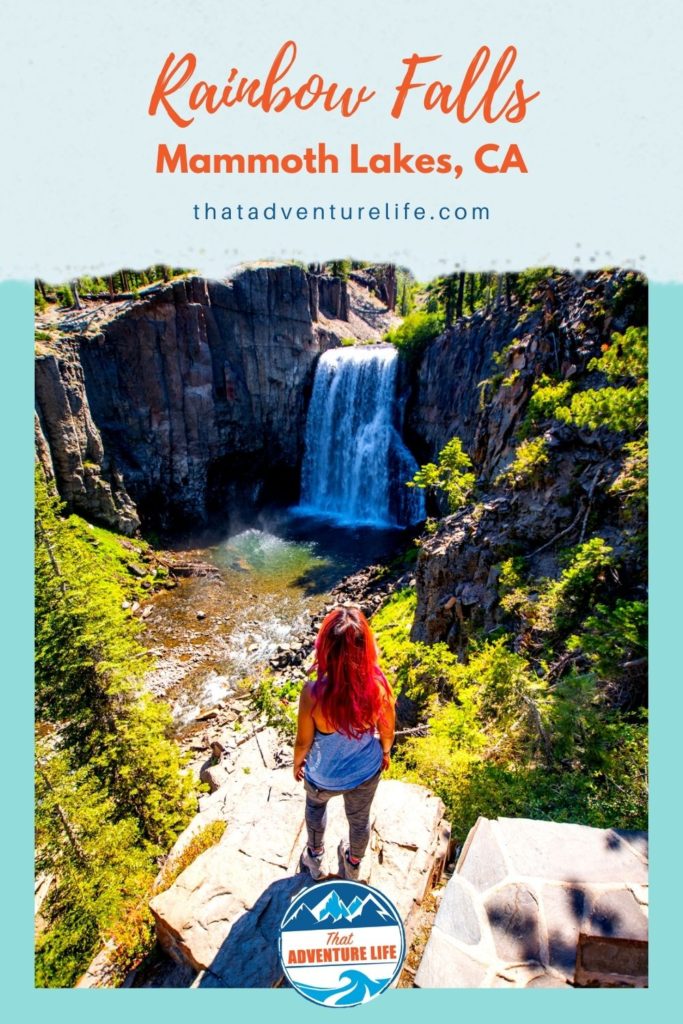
460,389
189,402
445,398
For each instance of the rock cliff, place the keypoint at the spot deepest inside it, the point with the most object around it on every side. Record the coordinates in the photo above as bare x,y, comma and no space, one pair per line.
178,405
221,916
460,389
445,397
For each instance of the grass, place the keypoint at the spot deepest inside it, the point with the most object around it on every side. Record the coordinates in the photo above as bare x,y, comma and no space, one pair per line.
133,938
115,553
202,841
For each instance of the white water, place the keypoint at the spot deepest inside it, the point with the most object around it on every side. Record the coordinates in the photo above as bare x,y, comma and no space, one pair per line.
355,463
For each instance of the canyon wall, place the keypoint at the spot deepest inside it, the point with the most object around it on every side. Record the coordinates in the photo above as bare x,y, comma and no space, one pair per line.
445,398
177,407
459,389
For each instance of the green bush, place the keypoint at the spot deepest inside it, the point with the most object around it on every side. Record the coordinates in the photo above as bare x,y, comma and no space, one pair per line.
625,358
203,840
452,474
278,703
553,606
505,736
613,636
631,485
506,743
413,335
66,296
618,409
531,457
546,397
610,792
340,268
622,406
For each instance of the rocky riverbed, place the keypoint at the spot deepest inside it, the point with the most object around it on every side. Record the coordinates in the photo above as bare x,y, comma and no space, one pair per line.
252,603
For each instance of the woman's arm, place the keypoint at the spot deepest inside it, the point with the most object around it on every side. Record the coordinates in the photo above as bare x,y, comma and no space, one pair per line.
387,728
305,732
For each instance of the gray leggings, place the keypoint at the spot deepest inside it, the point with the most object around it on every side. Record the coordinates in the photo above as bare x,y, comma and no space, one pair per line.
357,804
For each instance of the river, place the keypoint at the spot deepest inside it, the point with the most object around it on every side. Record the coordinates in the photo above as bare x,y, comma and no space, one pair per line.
211,633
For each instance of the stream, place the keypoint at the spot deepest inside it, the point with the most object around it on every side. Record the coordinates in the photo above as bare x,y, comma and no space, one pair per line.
210,633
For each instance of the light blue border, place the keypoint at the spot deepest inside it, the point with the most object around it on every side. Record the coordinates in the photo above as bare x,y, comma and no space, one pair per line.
283,1007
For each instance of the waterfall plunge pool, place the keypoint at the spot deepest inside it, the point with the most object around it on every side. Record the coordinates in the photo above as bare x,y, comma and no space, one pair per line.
273,576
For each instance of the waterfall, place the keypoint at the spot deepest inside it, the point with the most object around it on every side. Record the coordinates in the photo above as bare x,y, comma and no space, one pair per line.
355,463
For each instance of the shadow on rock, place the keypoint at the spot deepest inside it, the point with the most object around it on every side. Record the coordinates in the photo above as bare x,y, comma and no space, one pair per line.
249,957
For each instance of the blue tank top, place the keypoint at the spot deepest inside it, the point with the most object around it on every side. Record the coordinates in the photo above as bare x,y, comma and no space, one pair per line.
337,762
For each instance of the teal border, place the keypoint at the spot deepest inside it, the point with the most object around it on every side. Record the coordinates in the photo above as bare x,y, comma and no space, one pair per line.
283,1007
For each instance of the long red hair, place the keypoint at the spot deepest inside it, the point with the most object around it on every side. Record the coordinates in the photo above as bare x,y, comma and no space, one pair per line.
349,686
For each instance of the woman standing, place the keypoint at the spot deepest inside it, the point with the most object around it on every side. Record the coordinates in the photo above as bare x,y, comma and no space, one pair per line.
344,735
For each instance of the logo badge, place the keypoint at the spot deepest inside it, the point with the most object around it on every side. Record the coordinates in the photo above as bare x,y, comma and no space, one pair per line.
341,943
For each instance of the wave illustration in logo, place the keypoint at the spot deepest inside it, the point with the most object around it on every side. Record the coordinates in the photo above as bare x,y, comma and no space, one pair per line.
358,988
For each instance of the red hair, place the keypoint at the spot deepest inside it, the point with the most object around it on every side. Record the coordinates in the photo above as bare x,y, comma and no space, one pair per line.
349,686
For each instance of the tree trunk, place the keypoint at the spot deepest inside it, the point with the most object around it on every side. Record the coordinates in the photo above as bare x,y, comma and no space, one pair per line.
510,282
461,295
499,289
63,817
42,534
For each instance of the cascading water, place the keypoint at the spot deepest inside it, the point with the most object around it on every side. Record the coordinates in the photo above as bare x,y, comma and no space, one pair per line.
355,463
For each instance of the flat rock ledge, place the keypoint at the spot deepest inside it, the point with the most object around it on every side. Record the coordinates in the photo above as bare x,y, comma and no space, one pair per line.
537,904
221,916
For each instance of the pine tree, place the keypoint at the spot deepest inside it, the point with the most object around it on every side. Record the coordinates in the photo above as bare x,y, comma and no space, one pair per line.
97,861
89,664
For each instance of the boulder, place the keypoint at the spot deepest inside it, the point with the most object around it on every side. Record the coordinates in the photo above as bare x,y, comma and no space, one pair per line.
527,895
215,774
221,915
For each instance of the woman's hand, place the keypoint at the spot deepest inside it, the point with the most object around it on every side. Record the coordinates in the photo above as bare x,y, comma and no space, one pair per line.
298,770
386,761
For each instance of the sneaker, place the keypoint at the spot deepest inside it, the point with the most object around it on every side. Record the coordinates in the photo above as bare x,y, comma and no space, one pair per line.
314,864
351,871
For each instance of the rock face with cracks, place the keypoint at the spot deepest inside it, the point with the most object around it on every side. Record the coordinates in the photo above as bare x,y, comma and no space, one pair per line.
538,904
464,390
187,401
222,914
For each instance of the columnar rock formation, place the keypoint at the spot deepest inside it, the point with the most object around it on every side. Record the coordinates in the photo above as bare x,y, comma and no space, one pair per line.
460,389
182,403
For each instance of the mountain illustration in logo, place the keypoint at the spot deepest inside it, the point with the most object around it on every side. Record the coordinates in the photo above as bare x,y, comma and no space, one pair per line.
331,911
